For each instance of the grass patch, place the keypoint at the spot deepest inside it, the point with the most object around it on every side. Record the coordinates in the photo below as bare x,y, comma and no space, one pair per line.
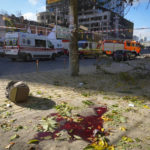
88,103
64,109
134,99
39,92
85,94
115,116
106,97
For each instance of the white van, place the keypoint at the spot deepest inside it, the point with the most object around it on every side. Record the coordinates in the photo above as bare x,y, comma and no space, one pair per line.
28,46
58,45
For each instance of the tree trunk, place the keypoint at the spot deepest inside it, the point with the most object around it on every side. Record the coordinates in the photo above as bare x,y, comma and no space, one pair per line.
73,53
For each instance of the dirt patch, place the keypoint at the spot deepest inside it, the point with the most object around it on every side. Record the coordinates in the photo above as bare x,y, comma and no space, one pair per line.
126,94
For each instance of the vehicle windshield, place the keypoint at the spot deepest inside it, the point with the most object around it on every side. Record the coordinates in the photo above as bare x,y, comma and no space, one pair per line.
11,42
1,44
138,45
82,45
50,45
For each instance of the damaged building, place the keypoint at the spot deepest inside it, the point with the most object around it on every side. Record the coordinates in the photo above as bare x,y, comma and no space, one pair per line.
103,16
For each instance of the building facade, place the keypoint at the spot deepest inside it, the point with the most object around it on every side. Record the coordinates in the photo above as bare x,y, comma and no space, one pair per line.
2,29
96,15
17,24
116,6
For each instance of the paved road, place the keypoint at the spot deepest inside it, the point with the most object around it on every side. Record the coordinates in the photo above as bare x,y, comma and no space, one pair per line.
145,51
7,67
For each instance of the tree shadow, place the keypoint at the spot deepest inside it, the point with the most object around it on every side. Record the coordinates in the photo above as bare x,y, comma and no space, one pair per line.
94,79
38,103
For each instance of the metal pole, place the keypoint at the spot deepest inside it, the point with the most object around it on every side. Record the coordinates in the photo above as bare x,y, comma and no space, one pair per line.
37,65
56,22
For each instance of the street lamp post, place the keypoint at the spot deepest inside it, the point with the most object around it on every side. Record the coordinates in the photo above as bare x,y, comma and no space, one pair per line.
56,20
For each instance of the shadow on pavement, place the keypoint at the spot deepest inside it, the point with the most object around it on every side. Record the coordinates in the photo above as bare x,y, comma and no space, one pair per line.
38,103
93,79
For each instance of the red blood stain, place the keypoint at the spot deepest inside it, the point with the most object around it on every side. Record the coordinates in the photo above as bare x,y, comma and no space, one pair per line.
84,128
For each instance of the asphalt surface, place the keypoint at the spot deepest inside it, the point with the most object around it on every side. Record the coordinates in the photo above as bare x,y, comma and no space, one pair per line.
145,51
8,67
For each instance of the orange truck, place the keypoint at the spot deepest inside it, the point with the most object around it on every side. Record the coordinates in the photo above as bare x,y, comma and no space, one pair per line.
110,46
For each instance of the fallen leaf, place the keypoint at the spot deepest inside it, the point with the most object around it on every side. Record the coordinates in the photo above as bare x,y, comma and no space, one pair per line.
123,129
63,135
77,137
123,119
137,140
99,127
12,121
49,124
25,127
14,137
146,106
9,145
87,102
34,141
19,127
106,118
100,145
127,139
89,147
111,148
47,138
102,129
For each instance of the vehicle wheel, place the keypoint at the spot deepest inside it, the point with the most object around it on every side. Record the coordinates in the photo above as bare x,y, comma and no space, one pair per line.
81,56
96,56
28,57
128,57
2,55
13,59
121,59
53,56
135,55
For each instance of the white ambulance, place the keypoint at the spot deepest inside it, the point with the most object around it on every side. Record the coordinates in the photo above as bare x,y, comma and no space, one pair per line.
58,45
27,46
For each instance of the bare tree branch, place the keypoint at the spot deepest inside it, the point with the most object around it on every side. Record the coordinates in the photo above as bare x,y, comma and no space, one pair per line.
148,4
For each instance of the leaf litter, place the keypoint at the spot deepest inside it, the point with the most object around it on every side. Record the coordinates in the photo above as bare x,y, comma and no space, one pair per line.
64,126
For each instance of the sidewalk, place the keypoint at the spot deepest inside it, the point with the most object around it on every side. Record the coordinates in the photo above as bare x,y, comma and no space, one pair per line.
48,85
48,89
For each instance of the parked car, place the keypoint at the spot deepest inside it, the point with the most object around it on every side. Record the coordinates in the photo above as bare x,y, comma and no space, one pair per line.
123,55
